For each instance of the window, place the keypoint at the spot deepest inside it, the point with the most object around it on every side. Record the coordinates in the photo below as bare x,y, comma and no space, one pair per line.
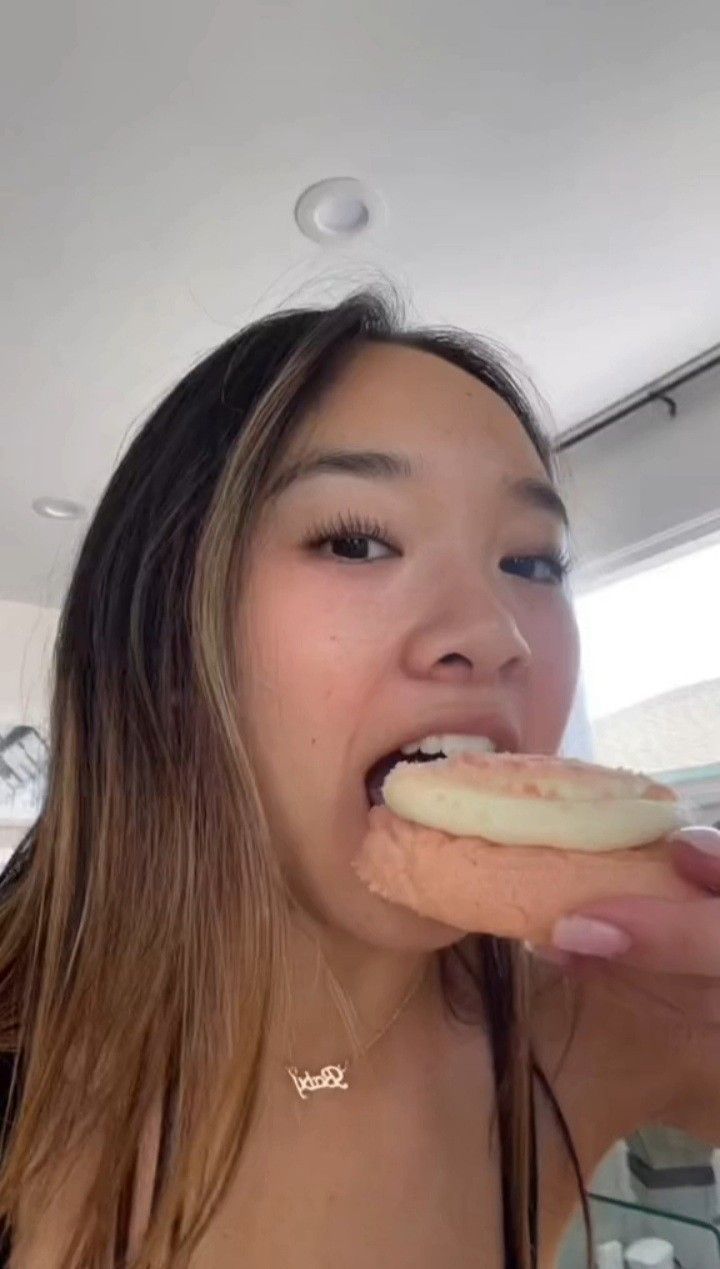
651,669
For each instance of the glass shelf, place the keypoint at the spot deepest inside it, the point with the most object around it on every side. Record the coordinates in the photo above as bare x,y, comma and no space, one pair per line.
696,1242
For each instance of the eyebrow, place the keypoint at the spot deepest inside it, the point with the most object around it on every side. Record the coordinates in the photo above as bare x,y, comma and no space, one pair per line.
385,465
539,494
369,464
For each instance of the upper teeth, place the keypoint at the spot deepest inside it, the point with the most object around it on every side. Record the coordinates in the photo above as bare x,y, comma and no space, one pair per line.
449,744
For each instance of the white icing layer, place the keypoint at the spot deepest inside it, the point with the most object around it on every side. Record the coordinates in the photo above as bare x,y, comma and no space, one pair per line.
598,824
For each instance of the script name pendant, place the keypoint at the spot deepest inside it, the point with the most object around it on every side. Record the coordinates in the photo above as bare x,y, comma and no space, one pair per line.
329,1077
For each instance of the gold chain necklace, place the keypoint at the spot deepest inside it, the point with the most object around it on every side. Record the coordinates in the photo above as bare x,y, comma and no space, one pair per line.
334,1075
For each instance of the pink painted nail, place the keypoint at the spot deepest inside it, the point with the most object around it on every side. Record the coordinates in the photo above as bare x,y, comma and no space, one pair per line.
590,937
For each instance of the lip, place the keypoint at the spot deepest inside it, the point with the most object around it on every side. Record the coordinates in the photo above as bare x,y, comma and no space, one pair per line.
499,729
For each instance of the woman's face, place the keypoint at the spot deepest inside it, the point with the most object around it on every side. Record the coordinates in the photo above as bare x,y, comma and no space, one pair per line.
436,611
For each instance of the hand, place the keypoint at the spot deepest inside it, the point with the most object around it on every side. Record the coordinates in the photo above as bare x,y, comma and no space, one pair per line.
669,951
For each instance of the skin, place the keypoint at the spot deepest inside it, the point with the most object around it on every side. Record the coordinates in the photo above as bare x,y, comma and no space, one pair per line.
443,622
342,661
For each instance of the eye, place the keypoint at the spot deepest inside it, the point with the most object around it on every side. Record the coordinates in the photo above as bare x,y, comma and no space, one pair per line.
350,539
549,569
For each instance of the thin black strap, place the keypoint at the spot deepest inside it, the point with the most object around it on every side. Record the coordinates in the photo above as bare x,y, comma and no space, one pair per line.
9,1098
533,1208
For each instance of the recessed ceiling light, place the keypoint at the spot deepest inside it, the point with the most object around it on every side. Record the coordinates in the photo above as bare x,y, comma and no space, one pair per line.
58,509
336,209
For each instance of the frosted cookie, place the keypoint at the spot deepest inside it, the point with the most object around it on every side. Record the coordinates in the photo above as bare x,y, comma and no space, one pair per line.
507,843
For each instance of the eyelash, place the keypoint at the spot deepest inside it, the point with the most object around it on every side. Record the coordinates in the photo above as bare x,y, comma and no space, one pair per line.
351,526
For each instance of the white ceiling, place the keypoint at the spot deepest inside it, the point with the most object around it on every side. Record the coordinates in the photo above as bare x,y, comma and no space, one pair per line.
551,173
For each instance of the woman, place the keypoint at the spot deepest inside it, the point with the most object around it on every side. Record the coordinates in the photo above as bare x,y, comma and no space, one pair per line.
333,537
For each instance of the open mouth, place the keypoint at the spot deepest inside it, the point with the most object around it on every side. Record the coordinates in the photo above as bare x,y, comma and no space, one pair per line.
438,747
380,770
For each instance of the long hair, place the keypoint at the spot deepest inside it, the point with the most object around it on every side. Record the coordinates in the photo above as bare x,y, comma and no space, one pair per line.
143,919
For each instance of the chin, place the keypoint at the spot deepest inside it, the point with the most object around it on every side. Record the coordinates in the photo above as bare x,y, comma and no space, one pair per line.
341,903
383,925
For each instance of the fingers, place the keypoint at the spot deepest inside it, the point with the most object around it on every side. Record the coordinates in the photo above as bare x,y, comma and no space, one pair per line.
696,855
650,934
656,935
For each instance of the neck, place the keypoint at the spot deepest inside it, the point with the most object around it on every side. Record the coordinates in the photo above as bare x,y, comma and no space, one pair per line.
341,993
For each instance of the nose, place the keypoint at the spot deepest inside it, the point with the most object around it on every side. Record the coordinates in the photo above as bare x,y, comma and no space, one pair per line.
467,634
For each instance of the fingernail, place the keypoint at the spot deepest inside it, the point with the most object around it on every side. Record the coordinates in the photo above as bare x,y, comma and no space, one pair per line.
589,937
705,839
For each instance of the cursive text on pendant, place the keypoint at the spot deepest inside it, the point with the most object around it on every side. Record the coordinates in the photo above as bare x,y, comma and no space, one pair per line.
329,1077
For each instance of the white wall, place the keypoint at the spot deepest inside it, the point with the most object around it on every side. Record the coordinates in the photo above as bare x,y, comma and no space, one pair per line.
27,635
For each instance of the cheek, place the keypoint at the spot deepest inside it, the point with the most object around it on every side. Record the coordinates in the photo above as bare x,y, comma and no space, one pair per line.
552,633
307,665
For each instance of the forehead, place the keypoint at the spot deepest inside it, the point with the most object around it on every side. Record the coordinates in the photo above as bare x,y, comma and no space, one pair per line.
389,396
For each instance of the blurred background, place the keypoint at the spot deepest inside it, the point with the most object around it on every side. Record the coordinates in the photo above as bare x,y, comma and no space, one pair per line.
546,174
